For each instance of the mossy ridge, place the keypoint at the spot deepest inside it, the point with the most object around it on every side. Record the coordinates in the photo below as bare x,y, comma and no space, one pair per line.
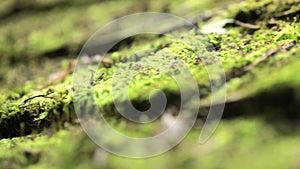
229,51
39,39
65,26
253,11
267,62
236,137
234,142
40,32
238,51
7,28
49,150
186,47
22,115
52,27
12,7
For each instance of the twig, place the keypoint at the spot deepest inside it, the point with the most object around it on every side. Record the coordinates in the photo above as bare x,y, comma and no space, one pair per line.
33,97
269,54
247,25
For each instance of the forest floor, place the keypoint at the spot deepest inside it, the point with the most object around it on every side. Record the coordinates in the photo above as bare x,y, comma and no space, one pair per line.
256,41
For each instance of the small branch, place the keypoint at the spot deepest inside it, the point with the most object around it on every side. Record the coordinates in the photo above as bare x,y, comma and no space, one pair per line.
33,97
269,54
247,25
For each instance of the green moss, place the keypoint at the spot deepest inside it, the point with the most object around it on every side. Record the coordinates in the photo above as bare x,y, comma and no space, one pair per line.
36,110
263,10
186,47
229,147
237,50
49,30
29,30
255,62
